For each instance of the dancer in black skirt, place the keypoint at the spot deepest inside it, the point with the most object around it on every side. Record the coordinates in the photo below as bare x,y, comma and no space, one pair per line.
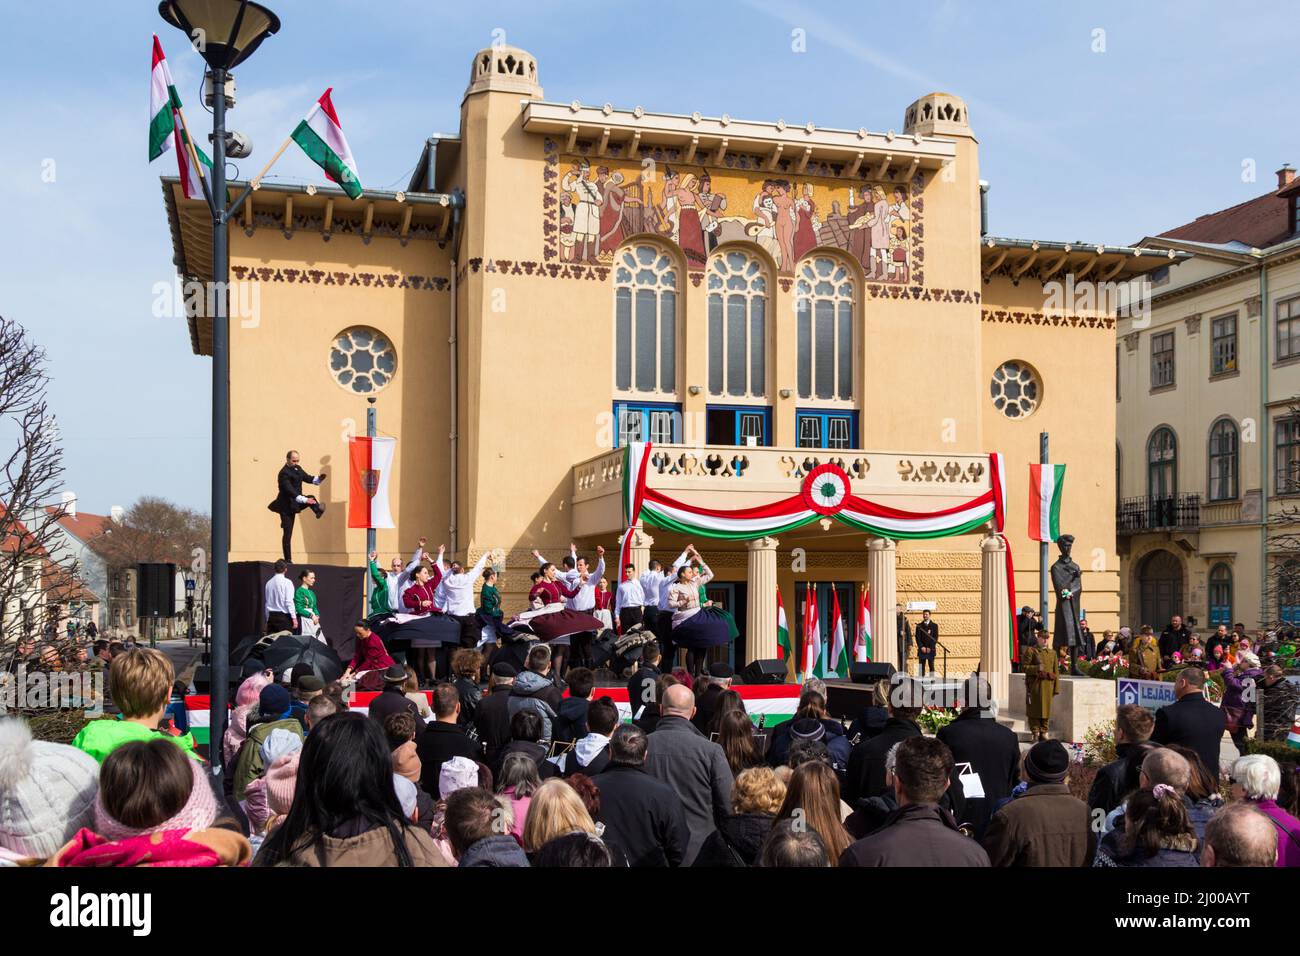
697,626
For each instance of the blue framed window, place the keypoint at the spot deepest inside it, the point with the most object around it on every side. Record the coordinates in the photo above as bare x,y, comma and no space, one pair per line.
826,429
658,422
1288,592
737,425
1221,595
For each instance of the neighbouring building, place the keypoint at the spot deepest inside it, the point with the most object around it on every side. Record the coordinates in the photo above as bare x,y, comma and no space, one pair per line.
1208,443
754,297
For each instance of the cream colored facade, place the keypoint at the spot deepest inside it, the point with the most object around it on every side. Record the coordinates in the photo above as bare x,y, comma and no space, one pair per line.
504,395
1202,557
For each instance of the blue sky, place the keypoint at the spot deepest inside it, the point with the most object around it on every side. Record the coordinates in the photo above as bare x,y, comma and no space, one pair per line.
1078,144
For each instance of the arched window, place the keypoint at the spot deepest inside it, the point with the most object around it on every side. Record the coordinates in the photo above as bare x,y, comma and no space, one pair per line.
737,325
1223,460
1221,595
824,330
1288,592
1162,464
645,321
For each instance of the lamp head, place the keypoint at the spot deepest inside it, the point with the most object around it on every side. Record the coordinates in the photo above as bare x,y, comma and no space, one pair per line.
224,32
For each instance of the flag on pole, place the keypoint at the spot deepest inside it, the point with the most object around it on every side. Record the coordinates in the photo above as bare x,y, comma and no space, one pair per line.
371,461
811,665
321,137
1045,485
862,644
784,650
166,131
838,660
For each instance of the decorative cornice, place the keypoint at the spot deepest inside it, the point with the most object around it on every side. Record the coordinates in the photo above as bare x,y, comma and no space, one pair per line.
389,280
1016,317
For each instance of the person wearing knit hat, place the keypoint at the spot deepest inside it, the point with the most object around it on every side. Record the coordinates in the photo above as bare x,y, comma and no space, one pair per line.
47,793
272,715
269,798
1045,825
246,699
456,774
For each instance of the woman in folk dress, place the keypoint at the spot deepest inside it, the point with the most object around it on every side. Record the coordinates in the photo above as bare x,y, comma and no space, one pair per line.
550,620
697,627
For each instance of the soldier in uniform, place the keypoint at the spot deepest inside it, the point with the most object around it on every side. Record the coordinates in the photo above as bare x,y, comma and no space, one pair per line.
1041,685
1144,655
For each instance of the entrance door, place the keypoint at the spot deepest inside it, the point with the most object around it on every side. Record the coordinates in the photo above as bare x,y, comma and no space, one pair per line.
1161,583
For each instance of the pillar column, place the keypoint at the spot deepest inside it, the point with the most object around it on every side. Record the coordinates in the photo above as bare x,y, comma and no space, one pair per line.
639,553
760,600
995,618
882,567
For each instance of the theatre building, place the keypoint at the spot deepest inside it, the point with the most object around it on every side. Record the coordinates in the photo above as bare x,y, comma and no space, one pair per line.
754,298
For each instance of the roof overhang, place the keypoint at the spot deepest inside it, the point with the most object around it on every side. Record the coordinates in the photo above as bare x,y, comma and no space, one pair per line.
395,214
707,140
1044,261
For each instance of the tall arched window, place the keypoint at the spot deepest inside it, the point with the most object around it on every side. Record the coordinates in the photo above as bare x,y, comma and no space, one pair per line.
824,330
1288,592
1162,464
1223,460
645,321
737,325
1220,595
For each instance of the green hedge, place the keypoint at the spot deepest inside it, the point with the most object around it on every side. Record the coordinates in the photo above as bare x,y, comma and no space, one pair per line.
1279,750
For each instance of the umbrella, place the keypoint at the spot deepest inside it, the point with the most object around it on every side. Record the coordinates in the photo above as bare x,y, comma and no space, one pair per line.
291,649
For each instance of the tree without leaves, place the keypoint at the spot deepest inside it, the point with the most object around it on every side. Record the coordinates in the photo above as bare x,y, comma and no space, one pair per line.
31,472
1282,586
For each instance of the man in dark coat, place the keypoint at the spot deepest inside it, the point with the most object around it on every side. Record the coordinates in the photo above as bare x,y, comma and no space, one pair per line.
904,637
1173,637
1192,720
643,817
919,832
1045,825
492,716
393,700
991,750
1133,726
444,738
691,765
866,772
927,640
289,499
641,687
706,703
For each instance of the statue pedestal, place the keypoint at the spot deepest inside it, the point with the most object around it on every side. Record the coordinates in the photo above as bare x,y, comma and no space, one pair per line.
1082,703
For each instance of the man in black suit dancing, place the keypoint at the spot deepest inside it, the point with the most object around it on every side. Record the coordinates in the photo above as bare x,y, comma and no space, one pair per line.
290,499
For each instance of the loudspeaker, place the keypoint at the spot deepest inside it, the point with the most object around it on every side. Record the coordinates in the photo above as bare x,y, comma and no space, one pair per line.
155,590
203,681
770,671
869,672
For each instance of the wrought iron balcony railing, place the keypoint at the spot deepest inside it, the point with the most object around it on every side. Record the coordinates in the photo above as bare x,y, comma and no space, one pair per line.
1158,513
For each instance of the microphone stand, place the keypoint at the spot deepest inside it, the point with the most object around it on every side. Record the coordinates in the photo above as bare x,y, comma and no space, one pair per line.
945,659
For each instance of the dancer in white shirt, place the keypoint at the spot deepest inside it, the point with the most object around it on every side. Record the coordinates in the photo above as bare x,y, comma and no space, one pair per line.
280,615
697,625
658,618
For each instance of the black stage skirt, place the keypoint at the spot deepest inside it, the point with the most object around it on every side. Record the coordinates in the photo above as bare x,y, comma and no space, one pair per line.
709,627
432,631
557,627
499,627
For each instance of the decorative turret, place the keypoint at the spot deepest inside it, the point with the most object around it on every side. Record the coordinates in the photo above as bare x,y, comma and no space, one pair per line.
505,68
938,113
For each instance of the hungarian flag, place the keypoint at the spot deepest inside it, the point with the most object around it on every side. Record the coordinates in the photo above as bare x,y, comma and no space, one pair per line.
368,479
784,650
165,128
811,664
1045,485
839,656
862,644
321,137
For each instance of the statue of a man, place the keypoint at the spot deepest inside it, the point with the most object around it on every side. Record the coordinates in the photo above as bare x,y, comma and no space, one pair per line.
1067,583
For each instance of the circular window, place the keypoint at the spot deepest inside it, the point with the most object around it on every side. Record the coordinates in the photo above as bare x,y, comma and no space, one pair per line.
362,360
1016,389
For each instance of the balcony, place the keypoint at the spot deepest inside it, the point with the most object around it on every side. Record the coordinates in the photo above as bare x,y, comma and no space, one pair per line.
734,476
1167,513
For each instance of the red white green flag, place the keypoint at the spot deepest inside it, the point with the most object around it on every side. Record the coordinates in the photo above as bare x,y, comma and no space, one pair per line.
811,664
166,131
862,643
838,660
784,649
321,137
1045,485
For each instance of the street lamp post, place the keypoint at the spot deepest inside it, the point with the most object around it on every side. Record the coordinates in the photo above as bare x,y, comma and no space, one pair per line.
225,33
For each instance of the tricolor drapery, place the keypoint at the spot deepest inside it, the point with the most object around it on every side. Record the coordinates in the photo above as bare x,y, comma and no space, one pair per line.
826,492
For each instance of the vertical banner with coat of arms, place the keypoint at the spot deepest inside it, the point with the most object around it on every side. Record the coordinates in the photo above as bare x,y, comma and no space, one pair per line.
370,465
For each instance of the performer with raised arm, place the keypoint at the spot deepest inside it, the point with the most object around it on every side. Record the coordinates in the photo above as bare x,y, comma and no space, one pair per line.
550,619
658,616
421,599
583,581
386,598
697,626
289,499
457,599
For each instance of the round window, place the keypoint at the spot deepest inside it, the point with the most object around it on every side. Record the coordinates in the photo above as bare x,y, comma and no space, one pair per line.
362,360
1016,389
